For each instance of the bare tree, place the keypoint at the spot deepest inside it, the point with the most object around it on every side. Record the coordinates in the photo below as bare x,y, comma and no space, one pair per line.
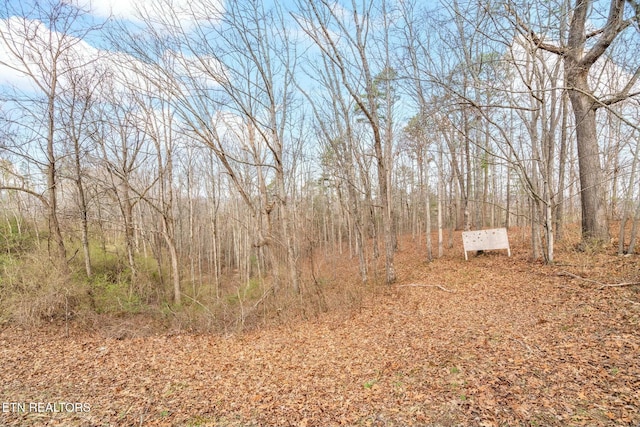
627,209
536,90
231,78
78,127
161,129
44,48
335,128
121,147
582,50
344,39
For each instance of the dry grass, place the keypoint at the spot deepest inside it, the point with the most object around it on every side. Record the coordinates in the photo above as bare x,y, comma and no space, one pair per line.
35,291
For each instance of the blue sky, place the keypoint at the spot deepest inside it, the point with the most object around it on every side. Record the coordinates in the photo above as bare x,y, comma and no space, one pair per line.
125,10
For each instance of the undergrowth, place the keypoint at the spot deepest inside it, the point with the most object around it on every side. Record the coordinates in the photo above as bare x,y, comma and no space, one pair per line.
34,290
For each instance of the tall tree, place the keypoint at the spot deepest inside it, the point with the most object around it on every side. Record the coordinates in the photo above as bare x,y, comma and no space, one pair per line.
43,42
230,82
583,48
78,127
336,128
344,37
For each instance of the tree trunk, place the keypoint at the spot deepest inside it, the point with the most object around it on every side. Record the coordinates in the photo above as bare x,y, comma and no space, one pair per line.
173,258
85,236
52,184
562,166
84,209
127,212
627,204
595,226
427,201
440,200
577,63
634,230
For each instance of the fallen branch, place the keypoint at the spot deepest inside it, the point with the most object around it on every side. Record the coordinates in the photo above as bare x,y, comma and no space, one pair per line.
575,276
615,285
419,285
525,345
602,285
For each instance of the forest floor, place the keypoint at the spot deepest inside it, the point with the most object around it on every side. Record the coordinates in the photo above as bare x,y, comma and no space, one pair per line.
493,341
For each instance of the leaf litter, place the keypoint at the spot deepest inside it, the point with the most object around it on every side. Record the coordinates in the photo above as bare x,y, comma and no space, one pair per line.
510,342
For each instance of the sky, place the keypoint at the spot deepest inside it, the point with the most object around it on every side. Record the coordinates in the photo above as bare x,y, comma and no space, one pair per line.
125,11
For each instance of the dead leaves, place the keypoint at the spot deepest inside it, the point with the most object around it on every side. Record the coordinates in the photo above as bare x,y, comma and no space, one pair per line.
508,347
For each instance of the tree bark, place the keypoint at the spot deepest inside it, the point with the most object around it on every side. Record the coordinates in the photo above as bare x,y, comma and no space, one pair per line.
595,225
52,182
578,60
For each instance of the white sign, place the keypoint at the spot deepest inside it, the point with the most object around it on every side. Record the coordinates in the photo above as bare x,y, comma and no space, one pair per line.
484,240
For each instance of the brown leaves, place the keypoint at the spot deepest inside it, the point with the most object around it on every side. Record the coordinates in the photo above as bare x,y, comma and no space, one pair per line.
509,347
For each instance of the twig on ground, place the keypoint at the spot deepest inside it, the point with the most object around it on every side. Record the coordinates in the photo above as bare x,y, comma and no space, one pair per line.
568,287
420,285
616,285
575,276
524,344
602,285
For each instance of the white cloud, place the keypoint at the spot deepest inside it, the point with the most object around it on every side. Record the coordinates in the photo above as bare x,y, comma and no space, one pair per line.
185,12
26,58
27,49
9,76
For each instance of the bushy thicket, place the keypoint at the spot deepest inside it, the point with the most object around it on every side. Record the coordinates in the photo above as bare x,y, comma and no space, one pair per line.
34,290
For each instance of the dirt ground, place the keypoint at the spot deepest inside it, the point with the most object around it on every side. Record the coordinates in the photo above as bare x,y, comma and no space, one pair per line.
493,341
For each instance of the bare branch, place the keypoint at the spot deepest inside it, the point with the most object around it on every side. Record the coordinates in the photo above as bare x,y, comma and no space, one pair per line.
615,285
529,33
614,26
39,196
623,94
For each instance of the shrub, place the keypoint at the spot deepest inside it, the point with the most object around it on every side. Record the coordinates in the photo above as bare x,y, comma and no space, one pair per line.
114,296
34,290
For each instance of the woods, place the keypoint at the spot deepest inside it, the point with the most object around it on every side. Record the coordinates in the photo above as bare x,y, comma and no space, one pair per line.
219,156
